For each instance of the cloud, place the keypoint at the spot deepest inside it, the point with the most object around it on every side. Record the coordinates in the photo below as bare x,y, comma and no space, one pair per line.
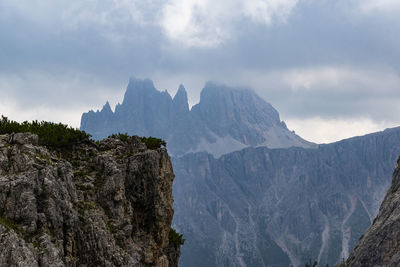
320,130
330,91
265,11
371,6
335,60
59,98
207,23
192,23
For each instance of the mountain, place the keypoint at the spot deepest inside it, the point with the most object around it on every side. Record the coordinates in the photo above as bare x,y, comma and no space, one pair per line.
104,204
380,245
273,207
249,192
225,119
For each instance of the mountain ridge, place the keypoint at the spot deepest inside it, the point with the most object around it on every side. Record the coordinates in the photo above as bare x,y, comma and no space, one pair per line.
224,120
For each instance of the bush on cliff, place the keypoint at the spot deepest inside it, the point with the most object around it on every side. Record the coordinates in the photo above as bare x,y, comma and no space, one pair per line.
175,238
56,135
150,142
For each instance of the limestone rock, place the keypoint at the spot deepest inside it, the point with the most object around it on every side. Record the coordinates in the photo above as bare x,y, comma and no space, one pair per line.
105,204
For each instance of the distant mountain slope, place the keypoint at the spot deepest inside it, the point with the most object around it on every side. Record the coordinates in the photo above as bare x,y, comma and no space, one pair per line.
269,207
224,120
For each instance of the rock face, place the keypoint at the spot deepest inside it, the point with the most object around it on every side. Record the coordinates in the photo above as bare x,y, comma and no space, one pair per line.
380,245
225,119
104,204
275,207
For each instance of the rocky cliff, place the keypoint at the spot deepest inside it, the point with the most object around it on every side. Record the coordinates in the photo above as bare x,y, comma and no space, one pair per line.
380,245
99,204
226,119
275,207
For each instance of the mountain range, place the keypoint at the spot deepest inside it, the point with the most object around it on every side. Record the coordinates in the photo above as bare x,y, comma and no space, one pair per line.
275,207
225,119
248,191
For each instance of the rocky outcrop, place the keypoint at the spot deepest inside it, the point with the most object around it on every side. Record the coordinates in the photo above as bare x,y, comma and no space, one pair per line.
380,245
276,207
99,204
225,120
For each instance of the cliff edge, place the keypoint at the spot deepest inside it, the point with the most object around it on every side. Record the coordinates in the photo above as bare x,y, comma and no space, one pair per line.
98,204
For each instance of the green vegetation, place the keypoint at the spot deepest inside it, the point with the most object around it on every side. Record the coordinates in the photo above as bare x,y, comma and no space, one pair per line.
81,174
152,142
83,206
111,228
311,264
99,182
175,238
54,135
61,136
9,224
121,136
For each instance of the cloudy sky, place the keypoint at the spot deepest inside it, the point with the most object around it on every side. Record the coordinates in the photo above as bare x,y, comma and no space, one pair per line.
330,67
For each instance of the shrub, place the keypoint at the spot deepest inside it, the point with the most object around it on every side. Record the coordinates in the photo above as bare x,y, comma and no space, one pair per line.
175,238
55,135
152,142
311,264
120,136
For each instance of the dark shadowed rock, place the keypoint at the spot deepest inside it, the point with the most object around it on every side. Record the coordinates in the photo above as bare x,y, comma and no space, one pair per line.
99,205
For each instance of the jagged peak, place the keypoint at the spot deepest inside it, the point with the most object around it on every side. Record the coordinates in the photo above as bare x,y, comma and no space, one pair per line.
181,94
181,100
136,83
181,90
139,87
106,108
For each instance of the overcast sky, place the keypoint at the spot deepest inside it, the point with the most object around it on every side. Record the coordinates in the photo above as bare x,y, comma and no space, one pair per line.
330,67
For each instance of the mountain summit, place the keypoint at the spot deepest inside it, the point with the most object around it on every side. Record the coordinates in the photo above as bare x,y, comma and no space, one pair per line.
225,120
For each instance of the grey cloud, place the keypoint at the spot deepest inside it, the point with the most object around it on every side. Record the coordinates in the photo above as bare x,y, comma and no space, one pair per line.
317,34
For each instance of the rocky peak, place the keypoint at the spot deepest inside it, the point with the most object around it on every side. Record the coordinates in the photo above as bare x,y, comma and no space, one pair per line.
106,109
105,204
136,90
227,105
226,119
180,100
